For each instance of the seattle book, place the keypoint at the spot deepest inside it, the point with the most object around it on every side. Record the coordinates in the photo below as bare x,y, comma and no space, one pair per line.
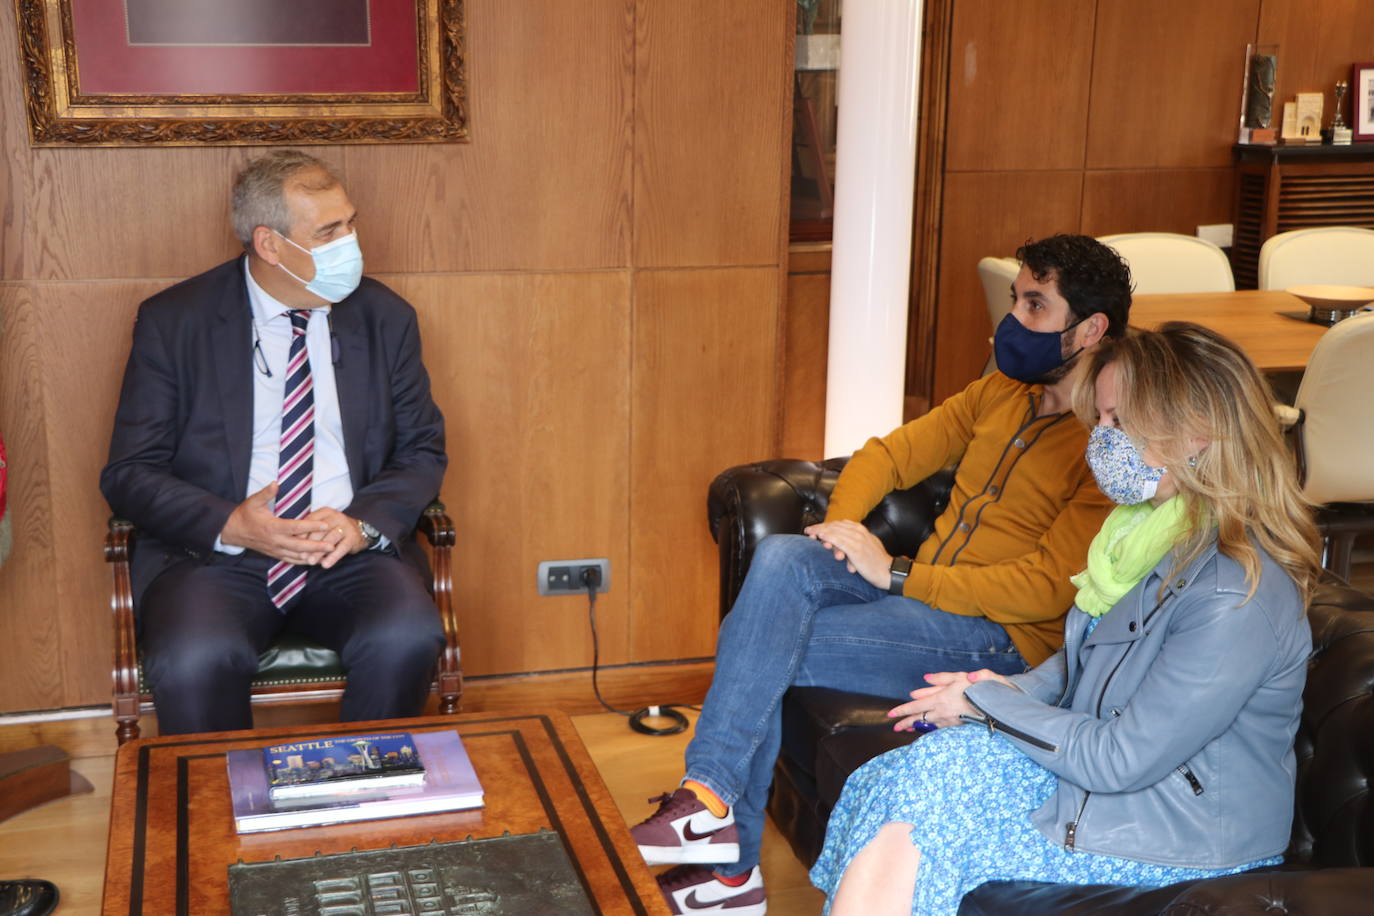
450,784
333,766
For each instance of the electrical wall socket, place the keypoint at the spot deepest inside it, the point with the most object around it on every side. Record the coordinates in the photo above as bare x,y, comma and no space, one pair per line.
1219,234
564,577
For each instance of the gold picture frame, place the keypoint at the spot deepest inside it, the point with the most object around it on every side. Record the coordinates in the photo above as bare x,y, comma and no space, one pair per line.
60,114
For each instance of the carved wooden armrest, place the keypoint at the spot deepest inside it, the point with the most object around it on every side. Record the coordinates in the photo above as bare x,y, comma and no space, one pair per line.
438,529
118,543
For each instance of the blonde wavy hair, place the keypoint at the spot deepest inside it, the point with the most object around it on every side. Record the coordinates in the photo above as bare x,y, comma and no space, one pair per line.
1185,382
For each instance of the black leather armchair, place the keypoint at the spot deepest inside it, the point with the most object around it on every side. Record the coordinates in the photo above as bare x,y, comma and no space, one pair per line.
827,734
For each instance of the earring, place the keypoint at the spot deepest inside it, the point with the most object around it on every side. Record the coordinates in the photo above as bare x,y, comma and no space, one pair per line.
1192,461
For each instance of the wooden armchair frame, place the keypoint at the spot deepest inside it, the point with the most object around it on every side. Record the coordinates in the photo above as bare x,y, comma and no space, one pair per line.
131,701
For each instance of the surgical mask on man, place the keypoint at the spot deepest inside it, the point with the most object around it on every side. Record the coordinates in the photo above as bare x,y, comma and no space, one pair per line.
1025,355
1119,468
338,267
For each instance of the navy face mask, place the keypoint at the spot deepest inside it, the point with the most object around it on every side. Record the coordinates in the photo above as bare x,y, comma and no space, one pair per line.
1026,355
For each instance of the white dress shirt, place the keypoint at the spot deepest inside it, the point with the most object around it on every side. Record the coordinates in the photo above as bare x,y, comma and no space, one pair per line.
332,486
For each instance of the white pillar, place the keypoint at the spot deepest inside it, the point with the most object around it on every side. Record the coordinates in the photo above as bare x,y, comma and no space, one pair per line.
875,173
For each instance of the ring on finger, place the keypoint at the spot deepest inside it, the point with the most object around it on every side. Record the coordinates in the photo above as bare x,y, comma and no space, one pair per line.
923,717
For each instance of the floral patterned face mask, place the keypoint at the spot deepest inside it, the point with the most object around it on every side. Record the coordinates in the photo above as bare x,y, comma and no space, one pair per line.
1118,467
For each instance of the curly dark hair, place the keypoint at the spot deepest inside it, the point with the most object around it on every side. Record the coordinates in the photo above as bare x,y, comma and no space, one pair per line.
1091,276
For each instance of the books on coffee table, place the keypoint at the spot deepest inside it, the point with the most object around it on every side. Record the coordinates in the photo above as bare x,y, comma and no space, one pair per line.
449,784
336,766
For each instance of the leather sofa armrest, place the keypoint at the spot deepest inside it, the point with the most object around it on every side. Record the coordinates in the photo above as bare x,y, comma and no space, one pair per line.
748,502
1263,892
1313,891
1330,891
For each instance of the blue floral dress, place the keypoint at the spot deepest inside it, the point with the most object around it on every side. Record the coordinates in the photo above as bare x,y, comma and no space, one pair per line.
970,794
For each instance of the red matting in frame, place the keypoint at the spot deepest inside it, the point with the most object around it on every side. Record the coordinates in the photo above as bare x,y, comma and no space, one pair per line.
108,64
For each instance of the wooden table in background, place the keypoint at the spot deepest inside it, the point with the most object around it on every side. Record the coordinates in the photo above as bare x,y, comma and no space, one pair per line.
1254,319
172,836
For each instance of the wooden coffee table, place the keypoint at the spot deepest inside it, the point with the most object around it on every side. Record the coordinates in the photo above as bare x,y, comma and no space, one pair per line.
172,835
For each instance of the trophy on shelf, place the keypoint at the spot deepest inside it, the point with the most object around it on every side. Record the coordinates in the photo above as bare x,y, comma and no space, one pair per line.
1341,134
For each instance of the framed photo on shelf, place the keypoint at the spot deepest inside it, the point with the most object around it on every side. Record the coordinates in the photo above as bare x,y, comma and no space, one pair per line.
207,72
1362,101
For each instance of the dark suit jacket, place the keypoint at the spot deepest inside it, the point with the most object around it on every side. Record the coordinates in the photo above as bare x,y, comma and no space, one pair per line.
182,438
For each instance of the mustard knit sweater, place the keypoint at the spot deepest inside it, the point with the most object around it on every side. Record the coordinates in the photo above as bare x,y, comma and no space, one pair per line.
1021,515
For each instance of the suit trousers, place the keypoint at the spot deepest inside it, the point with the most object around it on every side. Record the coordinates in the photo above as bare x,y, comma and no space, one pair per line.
203,623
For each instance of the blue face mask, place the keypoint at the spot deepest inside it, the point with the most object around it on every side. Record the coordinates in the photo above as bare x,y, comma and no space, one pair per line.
1025,355
338,268
1119,469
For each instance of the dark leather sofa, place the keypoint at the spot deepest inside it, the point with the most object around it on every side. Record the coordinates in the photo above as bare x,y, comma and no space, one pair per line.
827,734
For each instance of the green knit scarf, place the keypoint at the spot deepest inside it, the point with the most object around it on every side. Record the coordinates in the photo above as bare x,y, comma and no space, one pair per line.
1132,541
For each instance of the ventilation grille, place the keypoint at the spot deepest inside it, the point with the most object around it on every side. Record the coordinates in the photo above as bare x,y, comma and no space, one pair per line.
1249,229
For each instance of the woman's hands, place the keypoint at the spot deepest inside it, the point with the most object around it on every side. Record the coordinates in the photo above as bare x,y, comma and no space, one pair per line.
858,547
943,702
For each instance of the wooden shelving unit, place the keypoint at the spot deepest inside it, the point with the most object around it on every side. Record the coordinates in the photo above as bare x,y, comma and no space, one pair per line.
1279,188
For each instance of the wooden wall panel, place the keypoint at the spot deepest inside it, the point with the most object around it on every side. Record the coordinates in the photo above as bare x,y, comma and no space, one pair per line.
545,182
1166,82
710,166
30,678
704,378
1018,84
12,150
531,372
988,214
1156,200
1318,41
95,320
806,335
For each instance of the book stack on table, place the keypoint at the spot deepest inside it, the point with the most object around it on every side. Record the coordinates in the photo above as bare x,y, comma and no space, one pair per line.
350,778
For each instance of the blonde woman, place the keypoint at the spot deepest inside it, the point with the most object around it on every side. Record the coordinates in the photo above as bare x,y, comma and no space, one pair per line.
1137,754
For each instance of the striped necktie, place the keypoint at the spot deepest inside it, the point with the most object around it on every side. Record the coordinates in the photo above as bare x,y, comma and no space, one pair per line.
296,462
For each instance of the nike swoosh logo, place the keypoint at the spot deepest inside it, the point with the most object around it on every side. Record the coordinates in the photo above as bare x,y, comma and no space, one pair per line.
691,902
690,834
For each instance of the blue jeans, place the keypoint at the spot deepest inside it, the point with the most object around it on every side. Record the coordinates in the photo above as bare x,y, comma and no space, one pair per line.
802,618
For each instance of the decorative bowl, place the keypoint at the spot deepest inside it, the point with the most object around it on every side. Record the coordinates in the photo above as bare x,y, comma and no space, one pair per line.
1329,304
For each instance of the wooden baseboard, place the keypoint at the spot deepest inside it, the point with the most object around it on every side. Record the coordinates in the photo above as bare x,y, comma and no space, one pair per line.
628,688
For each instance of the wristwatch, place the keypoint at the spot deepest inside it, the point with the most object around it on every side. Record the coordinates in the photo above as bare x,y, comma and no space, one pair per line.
369,533
900,569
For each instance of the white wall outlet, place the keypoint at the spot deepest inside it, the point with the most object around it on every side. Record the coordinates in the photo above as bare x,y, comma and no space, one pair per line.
1219,234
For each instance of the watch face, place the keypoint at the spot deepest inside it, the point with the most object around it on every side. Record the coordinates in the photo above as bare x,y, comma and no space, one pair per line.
369,532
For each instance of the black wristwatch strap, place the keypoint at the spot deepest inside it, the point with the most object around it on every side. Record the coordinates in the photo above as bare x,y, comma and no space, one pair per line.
900,569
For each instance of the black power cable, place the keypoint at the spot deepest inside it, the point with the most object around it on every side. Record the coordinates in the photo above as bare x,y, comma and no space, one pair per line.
591,578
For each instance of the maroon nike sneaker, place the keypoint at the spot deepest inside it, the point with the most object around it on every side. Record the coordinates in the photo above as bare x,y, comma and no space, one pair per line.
684,830
694,889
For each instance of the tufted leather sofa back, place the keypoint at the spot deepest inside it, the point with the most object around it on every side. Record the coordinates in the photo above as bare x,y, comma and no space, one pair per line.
1334,819
747,503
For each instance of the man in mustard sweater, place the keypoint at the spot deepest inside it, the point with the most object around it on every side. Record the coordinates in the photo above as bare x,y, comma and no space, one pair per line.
988,589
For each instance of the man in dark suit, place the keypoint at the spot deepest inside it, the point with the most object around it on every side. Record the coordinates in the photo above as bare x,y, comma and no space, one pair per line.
276,444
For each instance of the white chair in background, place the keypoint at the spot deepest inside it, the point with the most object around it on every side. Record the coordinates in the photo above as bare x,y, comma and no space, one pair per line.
1166,262
1334,255
997,275
1335,437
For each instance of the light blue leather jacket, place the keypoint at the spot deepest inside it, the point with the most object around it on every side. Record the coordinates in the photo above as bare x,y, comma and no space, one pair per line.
1171,726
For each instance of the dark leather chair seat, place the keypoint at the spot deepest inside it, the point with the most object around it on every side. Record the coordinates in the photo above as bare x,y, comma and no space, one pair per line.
827,734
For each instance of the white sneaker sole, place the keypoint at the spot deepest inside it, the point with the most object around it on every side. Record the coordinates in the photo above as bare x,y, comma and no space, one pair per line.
715,854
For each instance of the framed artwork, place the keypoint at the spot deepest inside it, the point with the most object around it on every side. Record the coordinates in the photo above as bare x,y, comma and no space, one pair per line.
192,72
1362,101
